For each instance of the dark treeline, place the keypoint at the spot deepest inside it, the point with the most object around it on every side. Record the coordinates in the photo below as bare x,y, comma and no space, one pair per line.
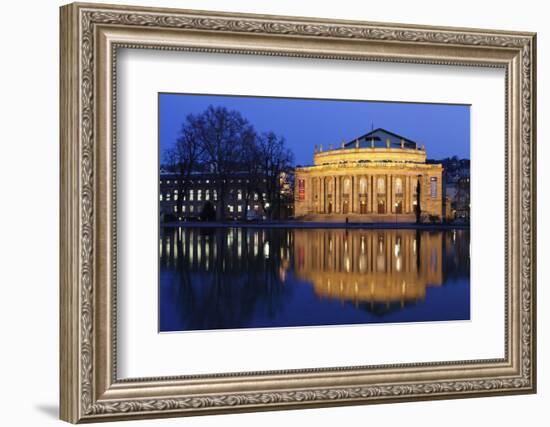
222,143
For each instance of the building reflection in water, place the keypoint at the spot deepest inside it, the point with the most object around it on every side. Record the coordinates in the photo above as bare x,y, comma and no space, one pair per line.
217,278
378,266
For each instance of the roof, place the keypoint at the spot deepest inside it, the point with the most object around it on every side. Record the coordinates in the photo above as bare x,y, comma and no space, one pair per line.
380,137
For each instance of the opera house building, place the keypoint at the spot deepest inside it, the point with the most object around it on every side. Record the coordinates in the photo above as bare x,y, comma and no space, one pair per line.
370,179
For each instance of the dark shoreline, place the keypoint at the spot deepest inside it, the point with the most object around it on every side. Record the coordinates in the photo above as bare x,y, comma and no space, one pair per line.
300,224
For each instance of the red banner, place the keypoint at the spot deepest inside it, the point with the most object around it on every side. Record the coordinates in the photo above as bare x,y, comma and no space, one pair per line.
301,189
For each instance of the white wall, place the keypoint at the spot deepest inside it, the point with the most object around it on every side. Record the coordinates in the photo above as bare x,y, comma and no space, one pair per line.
29,170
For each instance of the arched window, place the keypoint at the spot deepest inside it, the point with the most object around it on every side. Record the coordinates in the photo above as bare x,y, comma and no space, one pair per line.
381,185
363,186
347,186
398,186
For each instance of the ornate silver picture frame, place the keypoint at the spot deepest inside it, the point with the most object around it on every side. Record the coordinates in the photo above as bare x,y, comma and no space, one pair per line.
91,35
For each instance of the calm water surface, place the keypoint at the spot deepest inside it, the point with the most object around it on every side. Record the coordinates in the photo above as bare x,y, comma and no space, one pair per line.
219,278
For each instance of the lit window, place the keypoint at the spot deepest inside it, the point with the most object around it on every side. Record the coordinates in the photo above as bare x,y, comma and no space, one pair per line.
191,195
199,195
168,182
347,186
363,186
161,197
167,196
215,195
433,187
256,207
230,207
381,185
191,208
255,196
183,208
207,195
239,208
239,194
398,186
176,195
175,208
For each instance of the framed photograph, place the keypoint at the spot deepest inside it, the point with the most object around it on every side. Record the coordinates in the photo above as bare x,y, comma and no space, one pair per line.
266,212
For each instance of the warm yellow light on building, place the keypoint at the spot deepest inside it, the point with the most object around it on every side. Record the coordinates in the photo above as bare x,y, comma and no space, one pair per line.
372,178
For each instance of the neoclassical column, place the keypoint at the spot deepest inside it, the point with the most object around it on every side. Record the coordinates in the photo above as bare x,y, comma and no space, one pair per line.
406,195
321,194
325,191
370,189
356,182
388,194
325,194
375,193
371,193
411,193
336,194
340,198
414,182
352,195
392,193
309,190
340,193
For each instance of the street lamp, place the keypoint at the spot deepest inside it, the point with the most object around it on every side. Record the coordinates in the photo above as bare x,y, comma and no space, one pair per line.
395,208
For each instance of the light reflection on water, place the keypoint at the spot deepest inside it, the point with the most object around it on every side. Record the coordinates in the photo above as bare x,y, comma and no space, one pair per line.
218,278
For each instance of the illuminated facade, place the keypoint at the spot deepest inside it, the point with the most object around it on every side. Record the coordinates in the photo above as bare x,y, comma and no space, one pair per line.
370,179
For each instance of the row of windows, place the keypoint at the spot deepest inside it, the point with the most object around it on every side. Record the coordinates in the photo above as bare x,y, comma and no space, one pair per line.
230,208
199,193
206,181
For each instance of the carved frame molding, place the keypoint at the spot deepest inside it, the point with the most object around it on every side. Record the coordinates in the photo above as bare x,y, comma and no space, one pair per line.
90,37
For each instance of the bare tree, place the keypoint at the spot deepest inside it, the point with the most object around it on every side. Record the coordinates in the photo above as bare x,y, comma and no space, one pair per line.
275,158
185,157
251,168
222,134
223,143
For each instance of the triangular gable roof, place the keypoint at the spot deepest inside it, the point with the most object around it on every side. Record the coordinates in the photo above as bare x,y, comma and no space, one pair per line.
380,136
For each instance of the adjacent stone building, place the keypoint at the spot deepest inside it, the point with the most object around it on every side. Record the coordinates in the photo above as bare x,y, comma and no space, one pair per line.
183,200
202,189
370,179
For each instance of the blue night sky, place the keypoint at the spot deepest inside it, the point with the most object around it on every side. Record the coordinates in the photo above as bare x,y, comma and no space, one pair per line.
443,128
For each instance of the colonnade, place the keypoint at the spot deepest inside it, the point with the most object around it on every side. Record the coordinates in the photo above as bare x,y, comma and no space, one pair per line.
363,193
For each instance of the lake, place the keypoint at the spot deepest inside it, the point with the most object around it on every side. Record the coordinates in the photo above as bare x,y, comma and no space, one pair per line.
252,277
